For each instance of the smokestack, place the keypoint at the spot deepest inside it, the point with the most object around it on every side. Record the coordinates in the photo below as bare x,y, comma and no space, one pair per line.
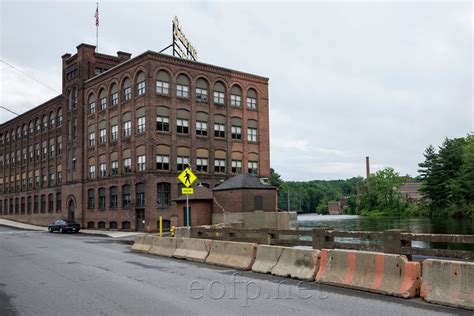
367,168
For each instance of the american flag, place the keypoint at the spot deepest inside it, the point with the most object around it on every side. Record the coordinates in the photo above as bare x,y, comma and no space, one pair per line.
97,15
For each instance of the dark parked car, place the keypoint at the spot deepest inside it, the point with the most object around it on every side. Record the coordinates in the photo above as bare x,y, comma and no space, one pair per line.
64,226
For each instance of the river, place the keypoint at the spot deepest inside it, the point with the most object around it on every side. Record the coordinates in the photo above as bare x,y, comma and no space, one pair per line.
414,225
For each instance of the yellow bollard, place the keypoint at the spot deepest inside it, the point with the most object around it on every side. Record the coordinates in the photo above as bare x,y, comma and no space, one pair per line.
161,226
172,231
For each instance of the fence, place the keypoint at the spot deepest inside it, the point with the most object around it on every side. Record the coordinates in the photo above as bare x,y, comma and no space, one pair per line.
388,241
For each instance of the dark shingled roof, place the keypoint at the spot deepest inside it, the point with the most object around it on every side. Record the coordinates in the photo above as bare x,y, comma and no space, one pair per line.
243,181
200,193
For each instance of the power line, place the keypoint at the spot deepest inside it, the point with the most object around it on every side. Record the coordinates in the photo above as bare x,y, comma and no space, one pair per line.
9,110
29,76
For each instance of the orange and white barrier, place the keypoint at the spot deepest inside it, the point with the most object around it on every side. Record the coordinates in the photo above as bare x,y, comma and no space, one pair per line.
370,271
448,283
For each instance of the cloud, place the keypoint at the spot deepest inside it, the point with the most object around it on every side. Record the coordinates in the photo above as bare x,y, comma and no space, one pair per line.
347,79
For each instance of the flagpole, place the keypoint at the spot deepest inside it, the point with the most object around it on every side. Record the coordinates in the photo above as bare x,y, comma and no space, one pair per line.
97,28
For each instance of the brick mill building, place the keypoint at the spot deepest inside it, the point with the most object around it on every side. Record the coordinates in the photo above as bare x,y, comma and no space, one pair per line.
107,151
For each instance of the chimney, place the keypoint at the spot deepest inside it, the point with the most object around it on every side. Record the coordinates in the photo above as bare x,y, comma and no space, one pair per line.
123,55
367,167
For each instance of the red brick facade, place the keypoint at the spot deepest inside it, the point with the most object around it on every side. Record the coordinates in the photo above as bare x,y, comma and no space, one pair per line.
97,199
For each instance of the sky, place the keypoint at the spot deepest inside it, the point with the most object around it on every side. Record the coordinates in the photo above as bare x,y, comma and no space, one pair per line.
347,79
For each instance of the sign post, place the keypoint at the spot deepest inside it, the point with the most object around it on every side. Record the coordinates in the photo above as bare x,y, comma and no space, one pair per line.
187,177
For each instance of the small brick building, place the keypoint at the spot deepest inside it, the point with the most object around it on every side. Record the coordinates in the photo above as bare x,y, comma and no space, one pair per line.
244,193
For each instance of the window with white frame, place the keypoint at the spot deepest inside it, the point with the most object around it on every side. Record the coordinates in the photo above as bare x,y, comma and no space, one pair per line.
219,165
219,130
102,103
141,125
253,167
236,132
92,172
182,91
201,164
114,167
236,166
219,97
162,87
162,162
103,169
141,84
127,165
92,139
182,162
201,128
114,132
162,123
141,163
102,136
252,135
182,126
127,128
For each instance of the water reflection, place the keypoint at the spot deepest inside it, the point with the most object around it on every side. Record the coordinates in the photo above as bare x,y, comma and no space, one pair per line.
414,225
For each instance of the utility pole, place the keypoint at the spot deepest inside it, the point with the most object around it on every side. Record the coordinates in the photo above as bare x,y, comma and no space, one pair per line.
288,201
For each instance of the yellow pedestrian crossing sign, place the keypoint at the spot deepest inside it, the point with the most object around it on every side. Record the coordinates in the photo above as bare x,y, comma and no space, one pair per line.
187,177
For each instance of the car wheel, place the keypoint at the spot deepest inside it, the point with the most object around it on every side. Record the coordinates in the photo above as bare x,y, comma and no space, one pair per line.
50,229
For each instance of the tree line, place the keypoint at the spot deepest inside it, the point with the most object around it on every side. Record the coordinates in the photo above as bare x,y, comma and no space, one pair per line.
447,185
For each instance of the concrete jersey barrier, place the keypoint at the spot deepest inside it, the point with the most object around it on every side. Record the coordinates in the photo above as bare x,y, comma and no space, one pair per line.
142,243
301,264
163,246
238,255
448,283
370,271
266,258
192,249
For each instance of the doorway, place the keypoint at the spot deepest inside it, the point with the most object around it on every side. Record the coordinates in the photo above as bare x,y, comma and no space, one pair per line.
140,220
71,210
187,221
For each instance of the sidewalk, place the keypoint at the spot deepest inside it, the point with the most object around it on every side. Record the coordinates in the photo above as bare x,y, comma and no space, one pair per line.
113,234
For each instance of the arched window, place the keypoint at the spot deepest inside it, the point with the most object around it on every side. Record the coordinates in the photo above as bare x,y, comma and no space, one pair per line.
101,225
219,93
125,225
236,96
126,196
38,125
182,86
52,120
163,190
113,225
251,99
114,95
201,90
252,134
74,98
31,128
141,158
202,160
45,123
102,100
163,83
162,157
69,99
219,126
101,198
140,194
60,117
91,104
25,130
141,83
126,90
90,199
113,197
90,225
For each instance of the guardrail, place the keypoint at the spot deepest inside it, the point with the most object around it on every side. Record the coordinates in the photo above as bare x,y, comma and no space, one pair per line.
392,241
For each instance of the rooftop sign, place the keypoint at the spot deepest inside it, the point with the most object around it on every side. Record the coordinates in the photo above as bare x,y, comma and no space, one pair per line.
181,46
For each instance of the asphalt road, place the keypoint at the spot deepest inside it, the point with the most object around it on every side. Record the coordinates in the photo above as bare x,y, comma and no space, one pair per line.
54,274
